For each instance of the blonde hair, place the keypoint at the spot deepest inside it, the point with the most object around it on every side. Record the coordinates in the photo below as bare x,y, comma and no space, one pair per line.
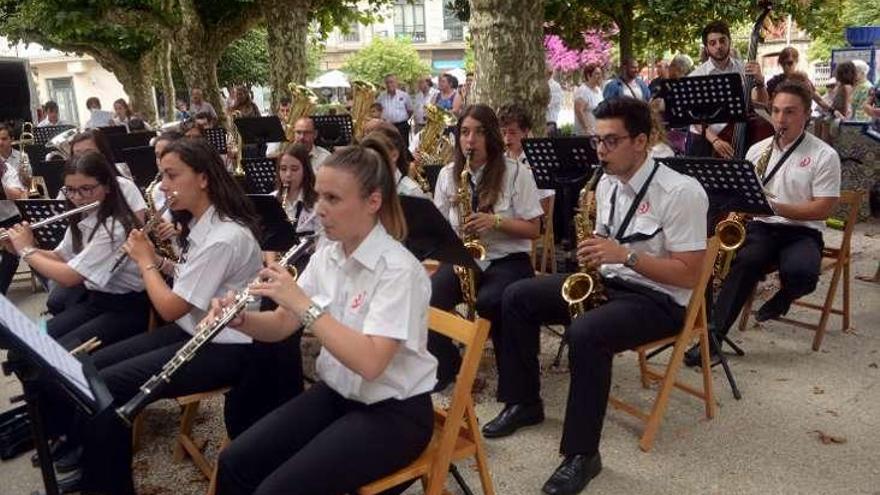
369,164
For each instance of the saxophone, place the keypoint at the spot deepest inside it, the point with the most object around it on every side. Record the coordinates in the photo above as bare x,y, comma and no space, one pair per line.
203,334
302,102
731,231
363,96
466,276
434,149
163,248
234,144
584,290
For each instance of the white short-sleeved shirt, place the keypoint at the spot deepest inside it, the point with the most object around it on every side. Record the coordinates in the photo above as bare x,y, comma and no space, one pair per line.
709,68
518,199
406,186
222,256
98,254
45,123
395,108
811,171
382,290
592,98
673,210
11,180
308,219
421,100
555,104
542,193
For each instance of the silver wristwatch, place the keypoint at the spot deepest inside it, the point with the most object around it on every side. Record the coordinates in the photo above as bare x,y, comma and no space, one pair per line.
631,259
310,315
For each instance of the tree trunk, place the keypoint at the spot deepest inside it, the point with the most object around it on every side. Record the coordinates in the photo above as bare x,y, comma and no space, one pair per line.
135,78
509,54
625,24
197,56
164,69
287,39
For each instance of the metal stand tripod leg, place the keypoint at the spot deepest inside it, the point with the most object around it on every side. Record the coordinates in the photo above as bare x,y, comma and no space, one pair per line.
715,344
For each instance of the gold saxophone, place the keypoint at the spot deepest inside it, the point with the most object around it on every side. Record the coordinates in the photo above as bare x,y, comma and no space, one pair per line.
234,144
163,248
434,149
363,95
466,276
731,231
584,290
302,102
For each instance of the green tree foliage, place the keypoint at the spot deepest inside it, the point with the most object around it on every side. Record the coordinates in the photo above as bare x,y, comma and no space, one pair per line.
386,56
827,21
245,61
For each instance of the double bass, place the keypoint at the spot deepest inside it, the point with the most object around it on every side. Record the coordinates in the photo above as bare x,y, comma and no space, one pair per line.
741,135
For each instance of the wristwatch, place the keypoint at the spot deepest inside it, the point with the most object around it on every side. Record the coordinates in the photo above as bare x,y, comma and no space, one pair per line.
631,259
310,315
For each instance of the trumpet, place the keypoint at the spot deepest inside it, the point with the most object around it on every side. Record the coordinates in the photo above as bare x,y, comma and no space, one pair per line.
61,216
121,256
203,334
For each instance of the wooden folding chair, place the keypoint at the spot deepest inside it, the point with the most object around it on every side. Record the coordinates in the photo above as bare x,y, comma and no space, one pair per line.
187,446
695,327
838,260
544,251
456,432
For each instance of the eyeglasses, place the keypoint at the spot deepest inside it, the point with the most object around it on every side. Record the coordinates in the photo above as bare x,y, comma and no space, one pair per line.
610,141
82,191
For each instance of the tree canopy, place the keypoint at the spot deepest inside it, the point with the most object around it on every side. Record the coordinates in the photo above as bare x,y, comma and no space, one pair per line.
385,56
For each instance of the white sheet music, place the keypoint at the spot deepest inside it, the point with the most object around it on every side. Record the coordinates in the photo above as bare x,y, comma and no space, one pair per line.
58,357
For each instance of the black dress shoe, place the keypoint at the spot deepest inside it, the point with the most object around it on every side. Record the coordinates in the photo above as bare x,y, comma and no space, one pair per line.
775,307
514,417
72,483
573,474
692,356
69,462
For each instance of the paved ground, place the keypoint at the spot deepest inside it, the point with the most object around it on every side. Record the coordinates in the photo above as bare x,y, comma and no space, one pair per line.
769,442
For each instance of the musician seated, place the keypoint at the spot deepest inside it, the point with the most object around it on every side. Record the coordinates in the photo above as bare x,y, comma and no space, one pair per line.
10,165
365,298
305,133
803,175
516,125
295,190
651,226
390,139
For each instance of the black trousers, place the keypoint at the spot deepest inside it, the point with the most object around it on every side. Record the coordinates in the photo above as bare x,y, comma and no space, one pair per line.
124,367
109,317
633,315
404,129
795,250
321,443
61,298
446,294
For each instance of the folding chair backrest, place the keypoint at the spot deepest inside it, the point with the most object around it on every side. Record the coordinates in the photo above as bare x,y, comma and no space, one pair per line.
698,296
851,200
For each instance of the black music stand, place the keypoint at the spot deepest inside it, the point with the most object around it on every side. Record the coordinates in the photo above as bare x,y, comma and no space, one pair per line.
34,210
217,137
278,234
260,130
119,142
52,173
563,164
40,362
36,152
43,134
112,130
731,185
431,236
333,130
259,175
141,162
705,100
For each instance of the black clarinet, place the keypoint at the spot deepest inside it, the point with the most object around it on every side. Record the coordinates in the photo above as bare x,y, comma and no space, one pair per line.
203,334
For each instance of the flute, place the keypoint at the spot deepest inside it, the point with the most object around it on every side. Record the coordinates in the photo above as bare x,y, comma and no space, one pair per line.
61,216
148,228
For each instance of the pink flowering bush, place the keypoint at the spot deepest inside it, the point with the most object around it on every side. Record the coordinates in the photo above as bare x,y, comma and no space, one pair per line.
597,49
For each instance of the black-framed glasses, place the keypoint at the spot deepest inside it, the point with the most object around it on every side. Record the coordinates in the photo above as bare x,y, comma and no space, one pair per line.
82,191
610,141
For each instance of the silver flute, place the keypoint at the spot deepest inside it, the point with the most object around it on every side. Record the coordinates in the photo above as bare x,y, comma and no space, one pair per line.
121,255
61,216
203,334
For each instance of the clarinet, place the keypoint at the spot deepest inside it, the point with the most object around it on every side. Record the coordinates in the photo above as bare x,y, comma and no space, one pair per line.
203,334
148,228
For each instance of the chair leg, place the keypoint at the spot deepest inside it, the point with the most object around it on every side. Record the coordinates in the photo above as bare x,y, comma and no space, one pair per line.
643,369
136,428
826,308
746,312
482,461
212,485
846,293
708,387
659,408
187,418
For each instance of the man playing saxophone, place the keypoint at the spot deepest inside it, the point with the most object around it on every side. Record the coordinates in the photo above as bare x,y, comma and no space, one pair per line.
803,175
649,242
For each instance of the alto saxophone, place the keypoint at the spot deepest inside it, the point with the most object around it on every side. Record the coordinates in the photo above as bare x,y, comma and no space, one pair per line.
466,276
203,334
584,290
163,248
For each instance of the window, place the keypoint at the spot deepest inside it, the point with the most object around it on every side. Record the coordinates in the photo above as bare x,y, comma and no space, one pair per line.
409,20
353,35
61,91
452,25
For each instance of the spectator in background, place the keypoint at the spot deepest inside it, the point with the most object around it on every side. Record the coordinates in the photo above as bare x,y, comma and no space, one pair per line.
788,60
397,106
841,102
466,90
425,93
50,109
680,66
182,110
122,112
244,104
447,96
197,103
587,97
98,118
555,104
628,83
861,90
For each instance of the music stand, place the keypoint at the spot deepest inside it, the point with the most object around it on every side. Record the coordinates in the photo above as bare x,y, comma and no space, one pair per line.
52,173
217,137
278,234
38,360
260,130
701,100
333,130
36,152
34,210
119,142
112,130
731,185
259,174
431,236
141,162
43,134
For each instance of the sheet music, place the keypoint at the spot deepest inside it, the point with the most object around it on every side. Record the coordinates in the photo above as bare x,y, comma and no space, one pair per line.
58,357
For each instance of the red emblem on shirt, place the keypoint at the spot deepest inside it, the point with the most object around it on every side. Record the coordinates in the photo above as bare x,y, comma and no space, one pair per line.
644,207
358,300
805,161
